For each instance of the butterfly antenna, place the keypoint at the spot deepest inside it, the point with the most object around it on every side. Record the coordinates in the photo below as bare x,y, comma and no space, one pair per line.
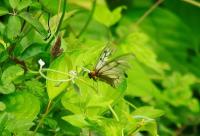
86,70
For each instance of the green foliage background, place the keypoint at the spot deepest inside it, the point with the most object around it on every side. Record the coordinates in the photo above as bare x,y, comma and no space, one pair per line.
161,95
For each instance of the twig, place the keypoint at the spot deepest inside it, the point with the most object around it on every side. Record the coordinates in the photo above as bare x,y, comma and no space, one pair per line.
150,10
89,19
192,2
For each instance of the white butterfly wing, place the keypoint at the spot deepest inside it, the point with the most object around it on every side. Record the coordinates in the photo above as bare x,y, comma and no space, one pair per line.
106,53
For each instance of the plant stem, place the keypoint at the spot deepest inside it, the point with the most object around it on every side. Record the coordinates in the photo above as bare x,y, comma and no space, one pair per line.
89,19
61,18
43,116
150,10
113,112
195,3
60,21
59,5
130,104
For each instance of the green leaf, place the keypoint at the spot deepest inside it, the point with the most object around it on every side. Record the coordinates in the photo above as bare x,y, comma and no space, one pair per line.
103,15
92,99
77,120
32,38
148,111
7,88
3,55
50,122
23,4
139,81
14,3
107,126
36,5
11,73
3,120
2,30
35,87
194,105
3,11
33,50
62,64
13,27
50,6
35,23
140,46
2,106
22,108
178,91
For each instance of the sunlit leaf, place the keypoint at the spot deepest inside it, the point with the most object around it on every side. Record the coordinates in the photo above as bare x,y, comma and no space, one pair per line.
14,3
23,4
148,111
76,120
139,44
13,27
103,15
7,88
62,64
51,6
139,84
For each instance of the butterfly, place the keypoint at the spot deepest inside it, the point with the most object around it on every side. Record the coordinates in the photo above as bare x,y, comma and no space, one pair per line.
111,71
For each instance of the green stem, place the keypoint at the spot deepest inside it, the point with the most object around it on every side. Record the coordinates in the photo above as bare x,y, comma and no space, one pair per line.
113,112
61,18
60,21
43,117
130,104
195,3
150,10
55,80
89,19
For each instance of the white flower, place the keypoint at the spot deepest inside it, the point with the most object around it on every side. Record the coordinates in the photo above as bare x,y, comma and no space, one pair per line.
41,63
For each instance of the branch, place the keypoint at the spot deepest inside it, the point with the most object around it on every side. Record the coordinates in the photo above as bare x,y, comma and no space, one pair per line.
150,10
89,19
192,2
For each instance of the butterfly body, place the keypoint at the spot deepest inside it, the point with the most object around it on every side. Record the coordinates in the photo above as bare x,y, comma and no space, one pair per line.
93,75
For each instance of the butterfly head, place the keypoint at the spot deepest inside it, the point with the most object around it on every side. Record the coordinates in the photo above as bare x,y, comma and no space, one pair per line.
92,74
